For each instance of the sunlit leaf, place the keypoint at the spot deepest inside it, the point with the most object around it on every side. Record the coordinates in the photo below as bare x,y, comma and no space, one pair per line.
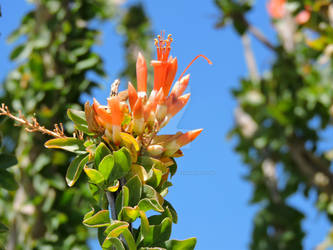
69,144
100,219
94,175
75,168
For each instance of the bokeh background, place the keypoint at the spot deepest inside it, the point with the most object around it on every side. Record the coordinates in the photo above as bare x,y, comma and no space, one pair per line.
209,193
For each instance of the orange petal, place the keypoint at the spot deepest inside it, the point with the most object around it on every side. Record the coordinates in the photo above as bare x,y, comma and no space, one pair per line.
170,76
141,73
117,115
178,104
154,99
160,70
138,109
132,95
188,137
180,87
103,116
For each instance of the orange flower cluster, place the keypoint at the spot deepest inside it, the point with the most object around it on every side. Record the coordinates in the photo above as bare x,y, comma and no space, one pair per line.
143,116
277,10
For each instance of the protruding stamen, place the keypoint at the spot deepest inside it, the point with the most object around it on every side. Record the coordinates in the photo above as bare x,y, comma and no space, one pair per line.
209,61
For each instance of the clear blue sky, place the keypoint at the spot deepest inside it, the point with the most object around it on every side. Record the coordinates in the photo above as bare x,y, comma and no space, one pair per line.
209,194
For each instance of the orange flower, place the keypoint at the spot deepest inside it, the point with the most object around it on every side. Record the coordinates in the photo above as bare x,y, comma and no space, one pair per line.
303,16
150,113
276,8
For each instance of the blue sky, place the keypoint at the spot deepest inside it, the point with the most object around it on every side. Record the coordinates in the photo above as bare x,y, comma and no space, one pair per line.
208,193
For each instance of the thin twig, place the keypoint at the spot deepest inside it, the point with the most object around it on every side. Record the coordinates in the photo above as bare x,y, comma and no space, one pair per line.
260,36
33,126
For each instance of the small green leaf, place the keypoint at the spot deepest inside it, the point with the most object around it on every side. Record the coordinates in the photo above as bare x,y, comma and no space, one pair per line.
154,177
125,197
135,188
106,166
79,119
101,151
150,204
123,162
94,175
7,161
100,219
100,235
148,162
21,52
129,240
154,234
172,210
149,192
114,187
87,63
113,243
122,199
129,214
173,168
69,144
89,214
115,229
7,180
188,244
75,168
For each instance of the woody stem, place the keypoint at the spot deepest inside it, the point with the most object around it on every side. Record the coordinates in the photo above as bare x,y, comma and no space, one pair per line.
112,203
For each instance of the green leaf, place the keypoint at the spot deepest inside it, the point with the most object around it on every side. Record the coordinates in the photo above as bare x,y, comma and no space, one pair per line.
173,168
115,229
129,240
79,119
153,234
21,52
123,162
148,162
122,199
69,144
101,151
100,235
7,161
129,214
100,219
188,244
87,63
106,166
154,177
135,189
75,168
113,243
125,196
89,214
150,204
149,192
94,175
7,180
114,186
3,228
172,210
